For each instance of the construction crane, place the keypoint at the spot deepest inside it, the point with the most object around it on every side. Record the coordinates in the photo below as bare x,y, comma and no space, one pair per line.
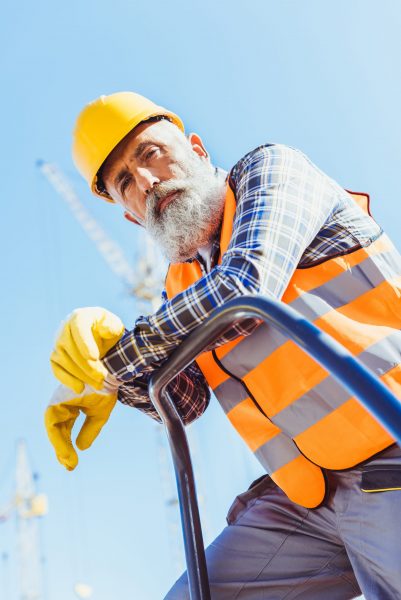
146,280
145,283
27,506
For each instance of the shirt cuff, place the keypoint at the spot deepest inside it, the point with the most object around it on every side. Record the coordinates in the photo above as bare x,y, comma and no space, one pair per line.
123,361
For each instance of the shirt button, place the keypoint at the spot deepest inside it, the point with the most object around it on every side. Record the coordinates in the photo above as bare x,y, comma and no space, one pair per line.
130,368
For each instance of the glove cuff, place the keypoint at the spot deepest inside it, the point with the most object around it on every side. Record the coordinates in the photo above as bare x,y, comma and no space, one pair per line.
111,383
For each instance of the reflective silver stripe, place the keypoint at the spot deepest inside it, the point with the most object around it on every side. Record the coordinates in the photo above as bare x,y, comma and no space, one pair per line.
230,393
339,291
328,395
277,452
349,285
254,348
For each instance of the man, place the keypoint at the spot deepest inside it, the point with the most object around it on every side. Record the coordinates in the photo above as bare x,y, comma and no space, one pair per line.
324,523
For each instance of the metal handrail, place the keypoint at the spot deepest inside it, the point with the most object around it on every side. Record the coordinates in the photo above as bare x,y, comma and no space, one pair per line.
349,371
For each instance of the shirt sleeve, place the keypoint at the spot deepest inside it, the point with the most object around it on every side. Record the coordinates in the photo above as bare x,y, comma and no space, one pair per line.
283,200
188,391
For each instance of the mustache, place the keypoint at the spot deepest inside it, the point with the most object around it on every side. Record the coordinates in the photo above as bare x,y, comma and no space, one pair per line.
161,190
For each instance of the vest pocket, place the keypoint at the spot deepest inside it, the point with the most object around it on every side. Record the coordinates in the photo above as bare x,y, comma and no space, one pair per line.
381,478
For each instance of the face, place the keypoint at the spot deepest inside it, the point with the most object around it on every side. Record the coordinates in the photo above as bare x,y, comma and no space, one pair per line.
165,182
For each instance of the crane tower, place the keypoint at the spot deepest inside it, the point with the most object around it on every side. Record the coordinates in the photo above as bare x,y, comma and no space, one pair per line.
29,506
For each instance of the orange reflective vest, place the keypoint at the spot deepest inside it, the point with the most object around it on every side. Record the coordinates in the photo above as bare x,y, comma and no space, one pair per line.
291,413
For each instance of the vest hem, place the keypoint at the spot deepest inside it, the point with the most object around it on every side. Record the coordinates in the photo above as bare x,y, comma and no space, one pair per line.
351,250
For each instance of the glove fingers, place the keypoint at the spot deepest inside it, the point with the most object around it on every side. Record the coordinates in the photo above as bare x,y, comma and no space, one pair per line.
67,342
74,357
96,416
82,326
109,325
89,432
67,454
88,334
111,329
66,378
87,371
106,345
95,336
59,429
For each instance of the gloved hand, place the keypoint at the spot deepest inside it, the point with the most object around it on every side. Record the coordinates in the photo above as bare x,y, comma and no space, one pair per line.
86,336
64,409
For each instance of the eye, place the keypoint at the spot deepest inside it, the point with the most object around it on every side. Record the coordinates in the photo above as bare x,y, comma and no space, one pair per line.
150,153
124,184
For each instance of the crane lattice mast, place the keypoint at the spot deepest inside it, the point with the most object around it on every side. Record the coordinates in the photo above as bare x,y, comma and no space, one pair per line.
28,507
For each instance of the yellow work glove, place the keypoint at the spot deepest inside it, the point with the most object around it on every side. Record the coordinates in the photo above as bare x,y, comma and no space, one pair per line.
62,412
85,337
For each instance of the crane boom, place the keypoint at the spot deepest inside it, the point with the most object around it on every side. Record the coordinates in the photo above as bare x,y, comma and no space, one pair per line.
110,251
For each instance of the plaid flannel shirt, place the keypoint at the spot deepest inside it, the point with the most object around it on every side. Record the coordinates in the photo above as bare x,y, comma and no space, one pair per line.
289,214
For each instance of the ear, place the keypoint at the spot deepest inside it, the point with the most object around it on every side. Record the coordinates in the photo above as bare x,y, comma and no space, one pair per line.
197,145
132,219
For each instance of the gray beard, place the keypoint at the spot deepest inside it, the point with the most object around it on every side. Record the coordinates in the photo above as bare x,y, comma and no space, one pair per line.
190,220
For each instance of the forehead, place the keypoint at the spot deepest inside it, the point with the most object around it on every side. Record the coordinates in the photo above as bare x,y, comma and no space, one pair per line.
162,132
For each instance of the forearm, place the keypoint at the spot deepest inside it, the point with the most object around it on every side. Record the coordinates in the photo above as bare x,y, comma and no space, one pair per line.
153,339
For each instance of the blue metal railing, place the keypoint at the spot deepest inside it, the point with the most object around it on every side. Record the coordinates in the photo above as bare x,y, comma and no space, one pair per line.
358,380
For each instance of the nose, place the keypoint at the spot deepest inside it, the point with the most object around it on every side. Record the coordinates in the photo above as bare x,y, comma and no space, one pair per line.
146,179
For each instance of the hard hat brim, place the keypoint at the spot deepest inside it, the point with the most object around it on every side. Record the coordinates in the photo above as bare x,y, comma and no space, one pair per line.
130,126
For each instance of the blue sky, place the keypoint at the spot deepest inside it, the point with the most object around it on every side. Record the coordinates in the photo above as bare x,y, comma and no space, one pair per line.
324,77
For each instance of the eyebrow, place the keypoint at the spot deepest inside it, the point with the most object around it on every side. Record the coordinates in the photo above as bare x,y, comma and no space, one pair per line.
141,147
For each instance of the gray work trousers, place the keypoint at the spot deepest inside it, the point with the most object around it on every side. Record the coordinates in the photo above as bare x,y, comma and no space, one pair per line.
274,549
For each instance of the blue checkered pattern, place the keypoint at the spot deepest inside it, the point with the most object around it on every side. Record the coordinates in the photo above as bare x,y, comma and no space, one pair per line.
289,214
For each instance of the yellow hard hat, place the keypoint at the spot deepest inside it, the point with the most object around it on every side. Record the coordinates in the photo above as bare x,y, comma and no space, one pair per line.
103,124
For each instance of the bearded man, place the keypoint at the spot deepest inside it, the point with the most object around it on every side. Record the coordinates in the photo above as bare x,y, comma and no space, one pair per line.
277,226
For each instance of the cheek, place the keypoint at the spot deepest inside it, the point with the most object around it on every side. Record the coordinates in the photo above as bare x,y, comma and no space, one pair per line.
138,209
132,206
132,202
177,170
